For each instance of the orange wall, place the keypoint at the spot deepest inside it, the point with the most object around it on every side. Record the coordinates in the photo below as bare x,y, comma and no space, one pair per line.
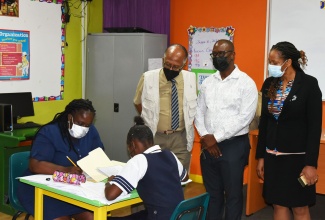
248,19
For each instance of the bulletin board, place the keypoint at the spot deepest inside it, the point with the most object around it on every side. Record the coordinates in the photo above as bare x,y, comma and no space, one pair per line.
302,23
46,36
201,41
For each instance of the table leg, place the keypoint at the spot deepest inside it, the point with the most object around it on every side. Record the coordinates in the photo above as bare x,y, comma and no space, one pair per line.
100,213
39,199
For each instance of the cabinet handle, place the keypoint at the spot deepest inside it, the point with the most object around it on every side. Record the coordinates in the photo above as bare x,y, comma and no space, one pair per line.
116,107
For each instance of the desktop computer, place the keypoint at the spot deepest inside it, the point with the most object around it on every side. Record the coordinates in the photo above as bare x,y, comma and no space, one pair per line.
6,120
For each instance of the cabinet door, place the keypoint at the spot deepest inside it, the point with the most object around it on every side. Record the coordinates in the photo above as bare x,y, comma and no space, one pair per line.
99,83
128,67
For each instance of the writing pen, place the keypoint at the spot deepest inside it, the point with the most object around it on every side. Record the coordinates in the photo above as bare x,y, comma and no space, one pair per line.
71,161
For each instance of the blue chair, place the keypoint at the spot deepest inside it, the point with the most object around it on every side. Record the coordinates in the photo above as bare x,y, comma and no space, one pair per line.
192,209
18,163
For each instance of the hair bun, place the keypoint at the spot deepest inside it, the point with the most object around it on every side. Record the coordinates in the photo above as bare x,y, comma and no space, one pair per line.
138,120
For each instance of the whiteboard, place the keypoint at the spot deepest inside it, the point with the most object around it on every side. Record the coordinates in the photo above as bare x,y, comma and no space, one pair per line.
301,22
43,21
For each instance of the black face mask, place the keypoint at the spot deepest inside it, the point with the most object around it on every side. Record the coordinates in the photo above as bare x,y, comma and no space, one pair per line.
170,74
220,63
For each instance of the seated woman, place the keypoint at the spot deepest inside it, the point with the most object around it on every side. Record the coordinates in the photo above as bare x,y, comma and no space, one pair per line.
71,134
155,173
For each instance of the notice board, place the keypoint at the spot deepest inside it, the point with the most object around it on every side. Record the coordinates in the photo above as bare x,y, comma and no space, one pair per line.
201,41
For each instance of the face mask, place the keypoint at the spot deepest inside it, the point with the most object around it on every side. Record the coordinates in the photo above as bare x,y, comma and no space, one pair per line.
220,63
170,74
275,70
78,131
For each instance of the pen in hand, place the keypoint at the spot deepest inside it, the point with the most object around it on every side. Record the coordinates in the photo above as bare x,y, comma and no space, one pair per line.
71,161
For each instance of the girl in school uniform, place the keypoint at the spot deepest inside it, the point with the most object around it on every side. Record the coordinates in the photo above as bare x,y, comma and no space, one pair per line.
155,173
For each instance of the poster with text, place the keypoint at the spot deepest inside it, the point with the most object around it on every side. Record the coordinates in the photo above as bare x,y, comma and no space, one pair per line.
14,55
201,41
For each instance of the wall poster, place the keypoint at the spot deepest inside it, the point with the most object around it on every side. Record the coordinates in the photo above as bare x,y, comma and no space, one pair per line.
201,41
14,55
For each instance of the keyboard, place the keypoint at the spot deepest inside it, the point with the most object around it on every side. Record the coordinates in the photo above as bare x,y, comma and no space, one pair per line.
25,125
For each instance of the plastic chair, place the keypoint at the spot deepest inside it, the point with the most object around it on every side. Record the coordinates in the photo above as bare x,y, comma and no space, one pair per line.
192,209
18,163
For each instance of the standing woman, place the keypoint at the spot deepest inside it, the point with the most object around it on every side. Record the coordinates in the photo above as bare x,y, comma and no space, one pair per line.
291,122
71,133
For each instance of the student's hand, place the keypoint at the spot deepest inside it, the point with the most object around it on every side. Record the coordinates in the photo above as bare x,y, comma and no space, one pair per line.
310,173
73,169
110,178
260,168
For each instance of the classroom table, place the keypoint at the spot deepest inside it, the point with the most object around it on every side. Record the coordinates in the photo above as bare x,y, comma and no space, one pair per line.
100,210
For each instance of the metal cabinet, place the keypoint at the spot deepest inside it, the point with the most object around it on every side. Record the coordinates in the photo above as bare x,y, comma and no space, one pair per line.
115,63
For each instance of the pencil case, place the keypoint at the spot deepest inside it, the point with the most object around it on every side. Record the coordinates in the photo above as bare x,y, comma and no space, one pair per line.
70,178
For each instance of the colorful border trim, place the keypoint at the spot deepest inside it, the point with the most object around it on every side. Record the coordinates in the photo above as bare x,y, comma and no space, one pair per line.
61,96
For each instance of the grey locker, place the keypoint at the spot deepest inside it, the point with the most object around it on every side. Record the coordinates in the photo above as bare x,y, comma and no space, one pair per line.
115,62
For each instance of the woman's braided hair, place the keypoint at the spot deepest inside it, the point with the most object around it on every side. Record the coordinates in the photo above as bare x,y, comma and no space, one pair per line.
75,106
140,132
287,51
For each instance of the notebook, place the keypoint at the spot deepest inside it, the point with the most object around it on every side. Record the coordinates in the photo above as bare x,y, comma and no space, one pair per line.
97,159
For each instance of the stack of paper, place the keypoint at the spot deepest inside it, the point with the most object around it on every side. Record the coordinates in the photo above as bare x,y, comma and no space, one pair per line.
98,166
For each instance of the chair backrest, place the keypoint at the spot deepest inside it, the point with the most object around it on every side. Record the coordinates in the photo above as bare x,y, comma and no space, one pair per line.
192,209
18,163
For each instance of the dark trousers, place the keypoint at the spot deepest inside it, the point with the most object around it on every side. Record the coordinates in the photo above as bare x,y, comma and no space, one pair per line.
223,178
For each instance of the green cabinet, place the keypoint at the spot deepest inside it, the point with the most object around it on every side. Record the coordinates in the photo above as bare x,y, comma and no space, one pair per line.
10,143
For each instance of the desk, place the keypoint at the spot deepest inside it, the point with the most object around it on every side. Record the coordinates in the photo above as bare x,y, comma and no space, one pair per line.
10,143
100,210
255,200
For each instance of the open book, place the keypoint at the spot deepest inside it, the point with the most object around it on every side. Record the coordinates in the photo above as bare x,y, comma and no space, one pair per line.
98,166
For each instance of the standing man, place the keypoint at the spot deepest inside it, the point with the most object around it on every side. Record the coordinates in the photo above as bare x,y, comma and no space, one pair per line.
166,100
226,106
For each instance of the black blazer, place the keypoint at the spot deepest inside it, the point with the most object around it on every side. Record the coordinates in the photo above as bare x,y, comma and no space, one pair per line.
299,125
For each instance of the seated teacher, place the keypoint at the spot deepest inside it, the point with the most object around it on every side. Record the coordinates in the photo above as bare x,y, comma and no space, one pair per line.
155,173
71,133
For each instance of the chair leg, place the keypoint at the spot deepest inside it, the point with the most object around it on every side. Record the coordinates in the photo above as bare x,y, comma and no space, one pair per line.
27,216
17,214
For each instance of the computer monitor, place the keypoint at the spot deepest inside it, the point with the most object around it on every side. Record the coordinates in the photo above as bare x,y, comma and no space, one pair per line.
22,104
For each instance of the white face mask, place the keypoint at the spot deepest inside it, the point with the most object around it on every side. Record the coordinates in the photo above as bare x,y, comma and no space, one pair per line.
78,131
275,70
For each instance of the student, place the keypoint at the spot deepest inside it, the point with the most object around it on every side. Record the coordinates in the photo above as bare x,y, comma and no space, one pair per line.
155,173
71,134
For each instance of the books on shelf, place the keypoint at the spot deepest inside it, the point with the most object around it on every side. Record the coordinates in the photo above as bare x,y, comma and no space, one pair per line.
98,166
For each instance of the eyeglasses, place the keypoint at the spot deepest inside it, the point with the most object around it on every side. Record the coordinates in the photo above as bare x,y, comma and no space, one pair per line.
175,68
220,53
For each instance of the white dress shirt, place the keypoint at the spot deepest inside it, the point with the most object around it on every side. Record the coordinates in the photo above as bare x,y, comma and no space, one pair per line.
226,107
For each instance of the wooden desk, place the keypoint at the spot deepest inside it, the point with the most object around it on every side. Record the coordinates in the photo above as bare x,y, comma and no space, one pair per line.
11,142
100,210
255,200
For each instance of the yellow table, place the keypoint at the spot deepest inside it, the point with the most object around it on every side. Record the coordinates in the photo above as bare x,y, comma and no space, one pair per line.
100,210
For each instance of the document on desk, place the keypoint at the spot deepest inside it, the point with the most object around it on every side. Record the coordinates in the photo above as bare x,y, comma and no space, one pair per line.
96,165
87,190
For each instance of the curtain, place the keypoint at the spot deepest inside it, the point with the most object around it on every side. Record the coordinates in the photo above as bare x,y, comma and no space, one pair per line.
152,15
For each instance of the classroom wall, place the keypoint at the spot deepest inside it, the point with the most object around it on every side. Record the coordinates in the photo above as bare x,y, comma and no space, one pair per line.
45,111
